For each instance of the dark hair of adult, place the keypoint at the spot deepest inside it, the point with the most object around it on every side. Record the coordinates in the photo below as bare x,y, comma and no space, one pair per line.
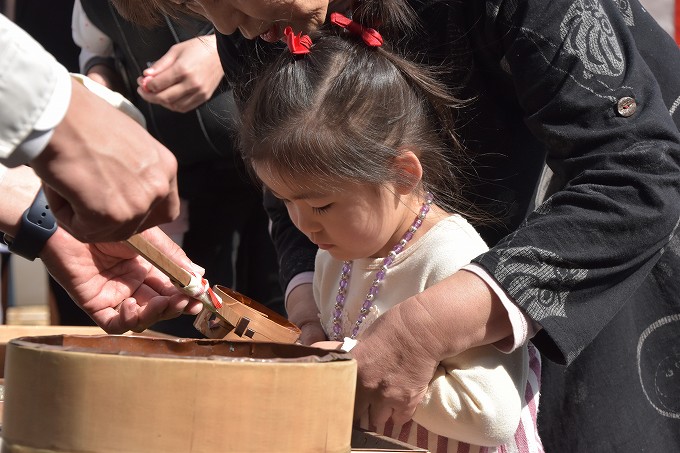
150,12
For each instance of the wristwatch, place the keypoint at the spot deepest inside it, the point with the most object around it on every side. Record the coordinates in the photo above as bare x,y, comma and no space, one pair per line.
37,226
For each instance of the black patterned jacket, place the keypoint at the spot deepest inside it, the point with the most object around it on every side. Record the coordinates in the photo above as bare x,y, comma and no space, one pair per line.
575,132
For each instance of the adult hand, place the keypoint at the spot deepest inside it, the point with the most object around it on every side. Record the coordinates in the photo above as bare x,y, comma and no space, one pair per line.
117,288
104,176
185,77
397,355
394,367
302,312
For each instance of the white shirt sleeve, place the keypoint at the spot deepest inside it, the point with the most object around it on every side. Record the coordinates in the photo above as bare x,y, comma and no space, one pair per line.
300,279
36,86
475,396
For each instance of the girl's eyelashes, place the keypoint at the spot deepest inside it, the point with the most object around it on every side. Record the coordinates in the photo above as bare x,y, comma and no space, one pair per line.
315,210
321,209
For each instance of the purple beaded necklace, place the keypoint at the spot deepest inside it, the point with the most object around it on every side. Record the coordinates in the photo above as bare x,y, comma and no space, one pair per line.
379,276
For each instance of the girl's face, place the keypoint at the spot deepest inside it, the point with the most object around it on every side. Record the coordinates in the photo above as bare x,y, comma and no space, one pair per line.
265,18
350,221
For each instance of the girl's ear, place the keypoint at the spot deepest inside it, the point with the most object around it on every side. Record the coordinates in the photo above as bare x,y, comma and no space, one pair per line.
408,171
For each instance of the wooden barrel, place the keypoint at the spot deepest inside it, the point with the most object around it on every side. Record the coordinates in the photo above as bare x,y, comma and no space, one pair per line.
111,393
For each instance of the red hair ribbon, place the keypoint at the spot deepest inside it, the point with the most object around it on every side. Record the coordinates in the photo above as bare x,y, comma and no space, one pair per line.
297,44
369,35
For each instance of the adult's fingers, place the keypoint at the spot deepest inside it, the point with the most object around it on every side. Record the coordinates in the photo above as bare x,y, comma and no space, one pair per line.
106,176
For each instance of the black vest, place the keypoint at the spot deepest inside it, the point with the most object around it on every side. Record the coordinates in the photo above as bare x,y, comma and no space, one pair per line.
204,134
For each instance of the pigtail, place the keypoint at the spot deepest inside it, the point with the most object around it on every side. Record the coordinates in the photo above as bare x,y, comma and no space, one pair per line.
425,80
394,18
445,158
446,181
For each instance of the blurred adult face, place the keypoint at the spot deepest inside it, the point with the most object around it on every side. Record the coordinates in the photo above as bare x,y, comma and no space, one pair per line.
264,18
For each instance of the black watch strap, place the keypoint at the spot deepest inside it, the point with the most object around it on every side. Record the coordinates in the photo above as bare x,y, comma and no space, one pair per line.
37,226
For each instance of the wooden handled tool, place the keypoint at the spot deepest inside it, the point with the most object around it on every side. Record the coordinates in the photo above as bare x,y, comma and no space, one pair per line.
179,276
240,318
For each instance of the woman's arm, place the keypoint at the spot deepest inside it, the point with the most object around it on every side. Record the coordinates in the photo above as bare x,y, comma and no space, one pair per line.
399,352
580,256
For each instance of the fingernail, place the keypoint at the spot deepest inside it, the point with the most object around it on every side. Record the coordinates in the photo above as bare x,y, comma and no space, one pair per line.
145,81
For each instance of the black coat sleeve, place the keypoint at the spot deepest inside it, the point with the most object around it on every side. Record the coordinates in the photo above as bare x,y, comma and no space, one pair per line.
582,254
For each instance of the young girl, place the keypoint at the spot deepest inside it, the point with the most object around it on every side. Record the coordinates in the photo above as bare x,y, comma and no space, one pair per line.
356,142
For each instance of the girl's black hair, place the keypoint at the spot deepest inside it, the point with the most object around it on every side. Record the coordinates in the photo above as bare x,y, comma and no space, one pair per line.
345,110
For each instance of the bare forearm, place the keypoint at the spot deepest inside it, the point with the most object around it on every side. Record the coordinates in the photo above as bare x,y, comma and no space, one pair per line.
456,314
399,352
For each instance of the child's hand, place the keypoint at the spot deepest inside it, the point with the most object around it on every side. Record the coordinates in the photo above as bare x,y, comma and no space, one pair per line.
303,313
313,334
